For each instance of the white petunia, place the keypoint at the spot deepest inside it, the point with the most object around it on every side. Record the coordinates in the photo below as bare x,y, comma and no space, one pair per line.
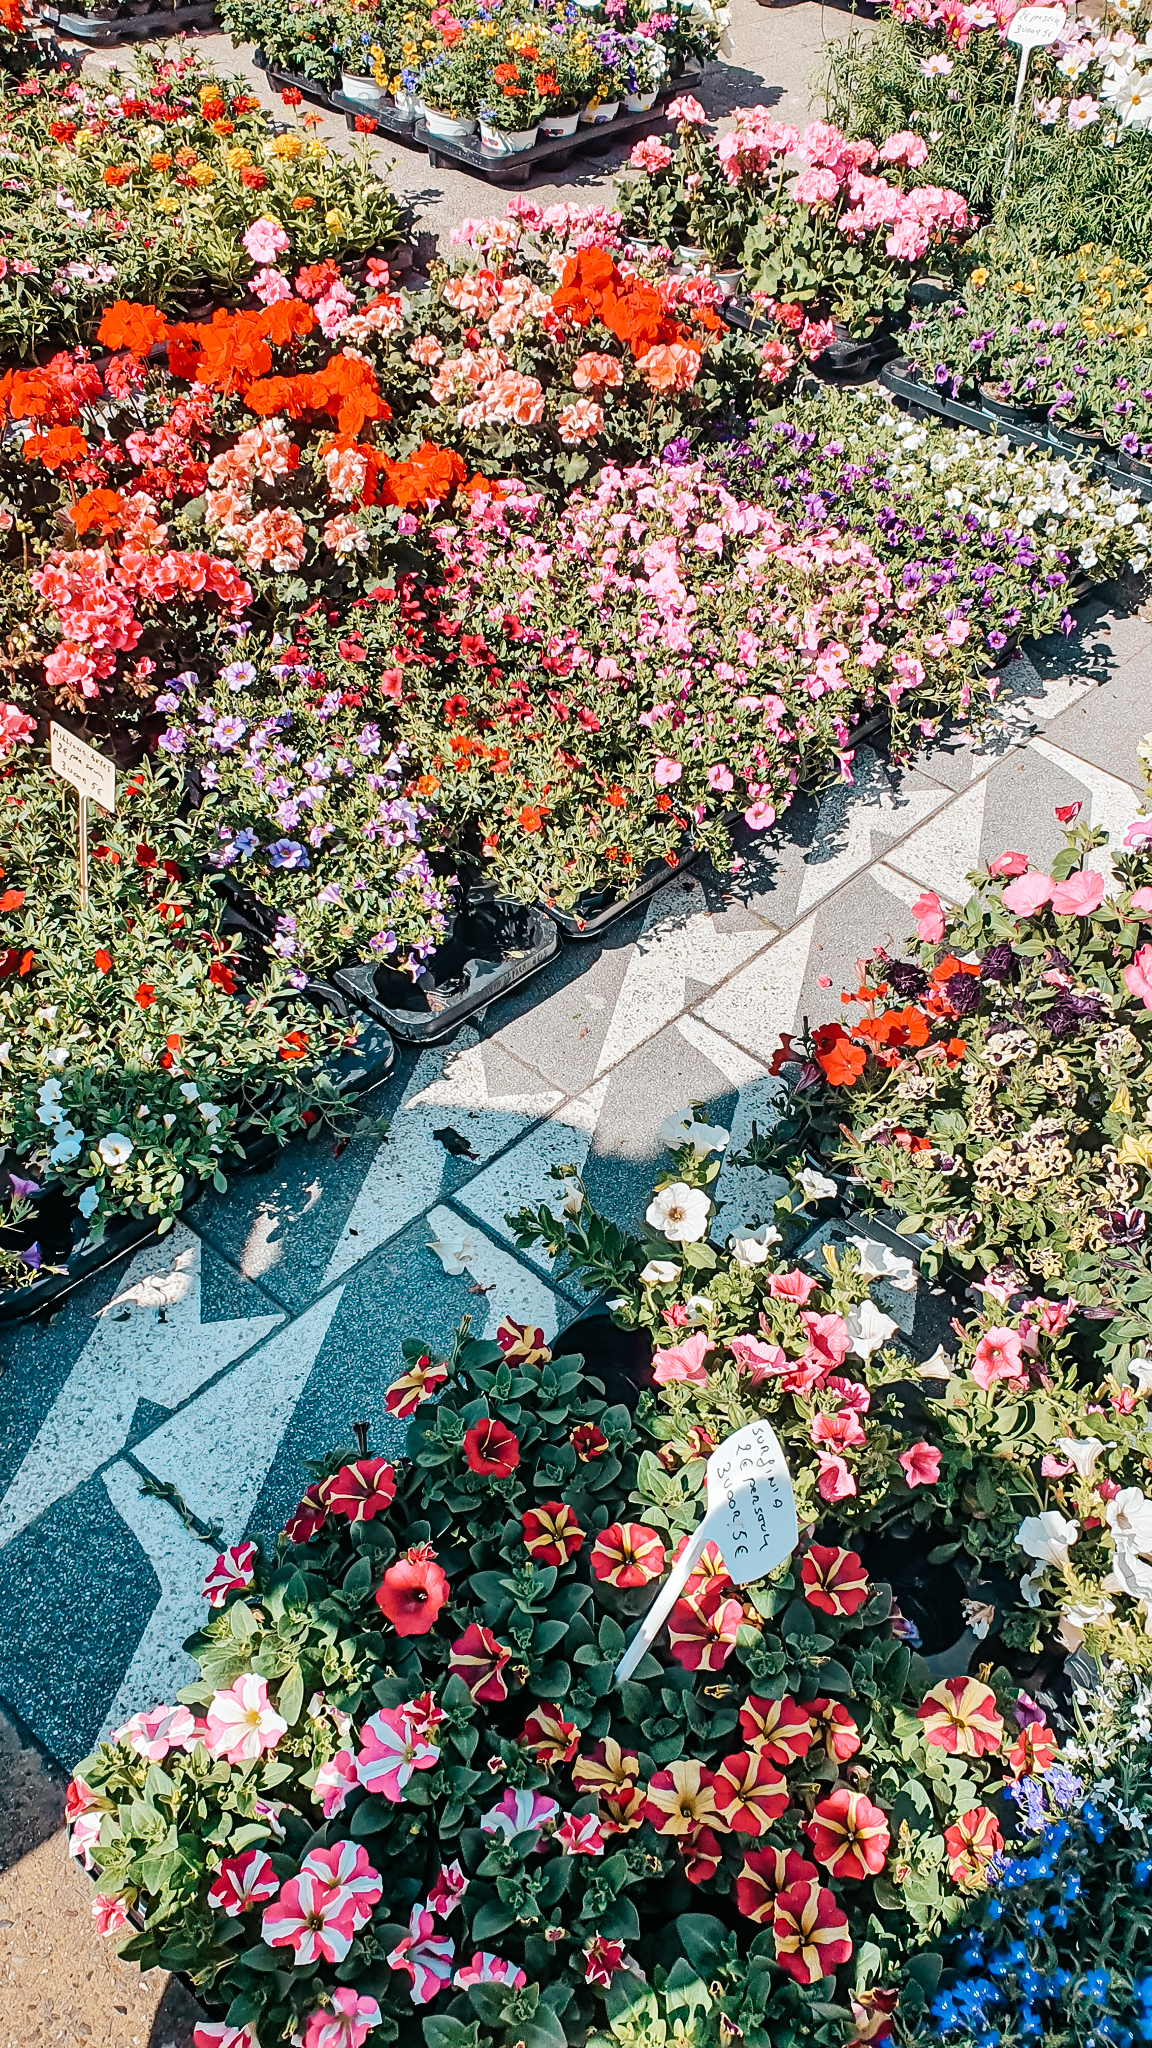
1048,1537
660,1273
880,1262
938,1367
752,1249
456,1252
683,1129
816,1186
679,1212
698,1307
1129,1574
868,1328
1129,1516
1140,1371
115,1149
1081,1452
189,1091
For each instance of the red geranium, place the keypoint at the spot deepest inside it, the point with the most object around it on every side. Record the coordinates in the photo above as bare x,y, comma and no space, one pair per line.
413,1591
491,1449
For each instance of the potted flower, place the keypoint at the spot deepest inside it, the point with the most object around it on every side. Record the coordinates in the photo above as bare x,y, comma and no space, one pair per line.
649,66
515,93
567,55
449,87
613,70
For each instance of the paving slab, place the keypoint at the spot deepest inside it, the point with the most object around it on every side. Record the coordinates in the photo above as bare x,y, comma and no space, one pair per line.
1106,727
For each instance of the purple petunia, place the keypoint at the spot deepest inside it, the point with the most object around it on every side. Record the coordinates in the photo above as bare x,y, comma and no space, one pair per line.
287,853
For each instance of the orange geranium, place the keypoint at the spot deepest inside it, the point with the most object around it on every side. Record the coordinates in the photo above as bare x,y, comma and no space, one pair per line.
133,327
58,446
102,509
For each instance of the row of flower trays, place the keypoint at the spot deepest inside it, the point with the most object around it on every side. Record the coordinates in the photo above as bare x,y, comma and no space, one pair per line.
910,390
548,154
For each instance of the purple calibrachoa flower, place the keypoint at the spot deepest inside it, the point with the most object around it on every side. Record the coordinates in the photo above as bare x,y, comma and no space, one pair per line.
228,732
287,853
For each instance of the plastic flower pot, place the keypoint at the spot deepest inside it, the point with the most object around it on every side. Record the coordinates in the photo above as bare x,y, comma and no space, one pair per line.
598,113
729,281
505,141
495,944
640,102
593,912
689,257
1134,465
552,126
929,1596
621,1359
1007,409
406,104
448,127
355,86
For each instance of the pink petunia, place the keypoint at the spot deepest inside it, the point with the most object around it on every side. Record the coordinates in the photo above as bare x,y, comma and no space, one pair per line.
448,1890
234,1569
579,1835
795,1287
218,2034
666,772
243,1881
998,1357
109,1914
319,1913
1141,899
836,1481
489,1969
759,816
1009,864
517,1812
241,1723
828,1337
1138,976
84,1836
347,2025
756,1358
334,1781
683,1362
920,1465
928,918
424,1956
1080,895
392,1748
153,1735
1028,894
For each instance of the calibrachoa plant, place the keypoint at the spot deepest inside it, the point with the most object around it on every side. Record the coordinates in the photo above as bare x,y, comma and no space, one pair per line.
149,191
138,1054
409,1796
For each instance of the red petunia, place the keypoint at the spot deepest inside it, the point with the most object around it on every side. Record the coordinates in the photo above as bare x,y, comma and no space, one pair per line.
491,1449
145,995
750,1792
412,1592
834,1580
479,1660
834,1727
1033,1751
588,1441
627,1554
306,1519
222,977
550,1738
102,957
810,1931
781,1729
551,1532
849,1835
971,1841
960,1716
702,1630
360,1491
766,1872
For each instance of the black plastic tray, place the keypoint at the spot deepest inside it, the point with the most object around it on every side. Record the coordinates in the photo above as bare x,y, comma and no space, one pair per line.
554,153
310,88
900,379
488,979
354,1072
130,28
579,930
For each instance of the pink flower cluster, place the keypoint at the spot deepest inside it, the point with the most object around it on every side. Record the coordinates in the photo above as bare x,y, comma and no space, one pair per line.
837,176
319,1913
755,146
274,535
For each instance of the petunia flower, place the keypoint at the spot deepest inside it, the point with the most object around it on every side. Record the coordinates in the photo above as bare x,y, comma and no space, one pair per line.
549,1737
702,1629
109,1913
750,1792
849,1835
683,1362
519,1812
233,1570
320,1912
424,1956
450,1886
361,1491
602,1960
348,2025
391,1750
485,1968
153,1735
412,1592
765,1873
491,1449
241,1724
971,1842
780,1729
834,1580
810,1931
479,1660
579,1835
334,1781
551,1533
627,1554
243,1881
960,1716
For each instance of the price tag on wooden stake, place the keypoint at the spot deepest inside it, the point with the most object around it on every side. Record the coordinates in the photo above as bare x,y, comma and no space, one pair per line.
751,1519
89,772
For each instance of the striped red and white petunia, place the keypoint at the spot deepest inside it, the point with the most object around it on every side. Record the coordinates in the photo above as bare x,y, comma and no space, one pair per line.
766,1872
551,1533
810,1931
702,1630
971,1841
360,1491
243,1881
410,1388
834,1729
628,1554
479,1660
550,1738
781,1728
424,1956
234,1569
320,1912
960,1716
834,1580
750,1792
849,1835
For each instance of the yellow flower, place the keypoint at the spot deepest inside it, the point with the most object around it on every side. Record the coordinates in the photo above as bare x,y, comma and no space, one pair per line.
288,147
979,278
1135,1151
237,159
84,138
316,148
208,92
202,174
334,222
166,203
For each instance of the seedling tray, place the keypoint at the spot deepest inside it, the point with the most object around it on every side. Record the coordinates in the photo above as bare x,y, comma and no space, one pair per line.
582,929
129,28
476,963
554,153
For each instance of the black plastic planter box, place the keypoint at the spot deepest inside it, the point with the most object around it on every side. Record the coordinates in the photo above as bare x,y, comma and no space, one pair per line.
496,944
129,28
553,153
279,79
581,925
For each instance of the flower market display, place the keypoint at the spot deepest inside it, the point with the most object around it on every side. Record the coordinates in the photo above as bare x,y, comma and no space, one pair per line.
1082,148
153,192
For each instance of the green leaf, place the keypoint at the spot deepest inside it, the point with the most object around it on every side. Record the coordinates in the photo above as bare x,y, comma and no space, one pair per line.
543,2030
491,1918
703,1940
292,1696
440,2031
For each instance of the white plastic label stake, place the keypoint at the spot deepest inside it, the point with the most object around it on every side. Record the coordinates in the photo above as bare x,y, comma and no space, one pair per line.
751,1518
1030,29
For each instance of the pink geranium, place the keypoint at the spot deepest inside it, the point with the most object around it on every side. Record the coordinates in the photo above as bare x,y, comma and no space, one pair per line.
1138,976
1080,895
904,148
347,2025
109,1914
488,1969
1009,864
334,1781
687,109
234,1569
424,1956
1028,894
999,1356
243,1881
920,1465
650,155
928,918
391,1750
319,1913
241,1723
153,1735
264,240
683,1362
